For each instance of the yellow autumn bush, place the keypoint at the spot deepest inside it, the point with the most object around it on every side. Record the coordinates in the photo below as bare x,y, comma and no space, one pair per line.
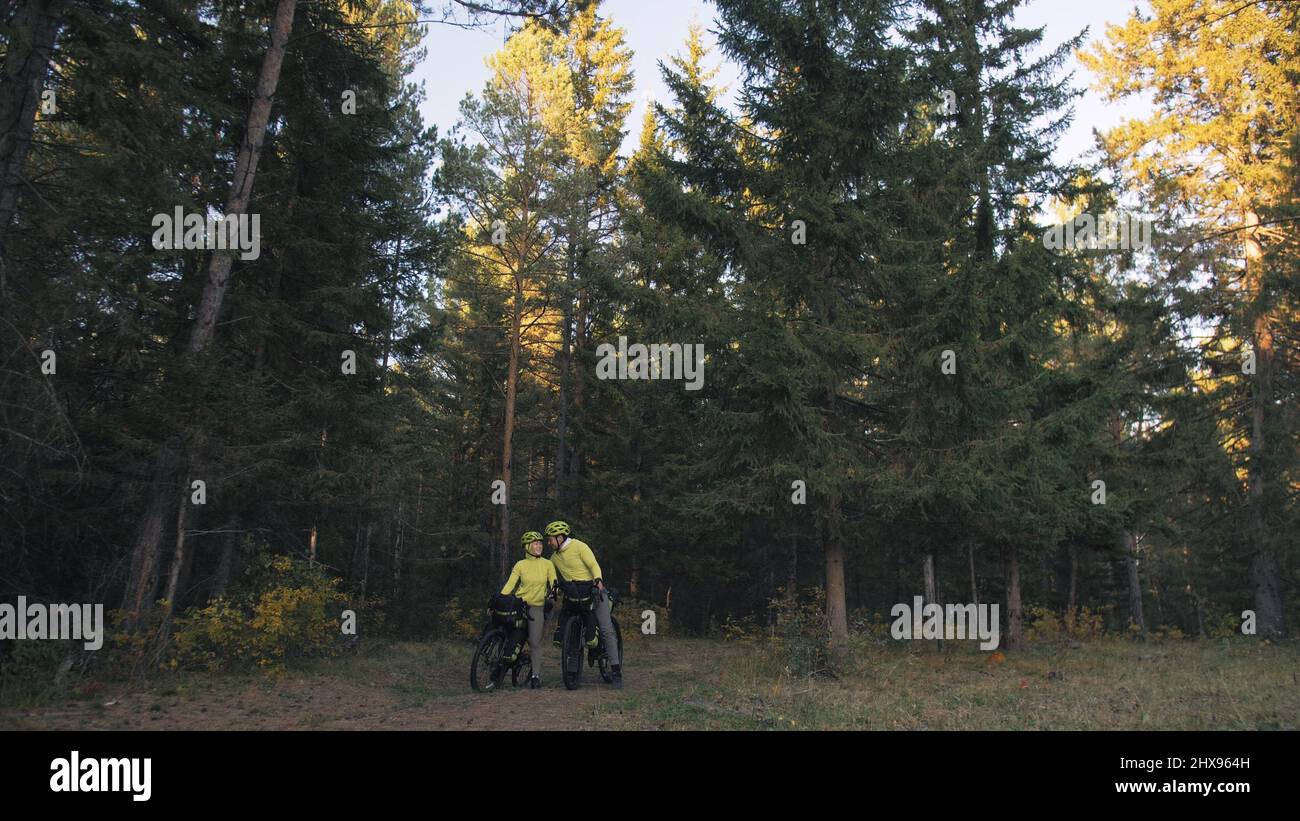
1081,623
459,620
287,610
629,612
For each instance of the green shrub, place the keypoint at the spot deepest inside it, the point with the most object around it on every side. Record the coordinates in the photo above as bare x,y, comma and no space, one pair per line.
1226,626
28,674
870,626
736,629
801,640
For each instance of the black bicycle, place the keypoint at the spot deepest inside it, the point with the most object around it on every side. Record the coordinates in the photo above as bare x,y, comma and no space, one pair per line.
505,635
577,628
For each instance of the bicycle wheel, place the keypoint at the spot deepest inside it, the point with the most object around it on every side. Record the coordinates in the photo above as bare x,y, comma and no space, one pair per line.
487,669
605,671
571,653
522,671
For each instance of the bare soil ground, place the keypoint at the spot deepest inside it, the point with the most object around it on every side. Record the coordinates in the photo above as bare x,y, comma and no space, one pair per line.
675,683
399,686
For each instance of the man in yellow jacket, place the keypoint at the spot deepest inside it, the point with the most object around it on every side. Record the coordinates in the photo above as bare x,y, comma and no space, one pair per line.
531,580
576,563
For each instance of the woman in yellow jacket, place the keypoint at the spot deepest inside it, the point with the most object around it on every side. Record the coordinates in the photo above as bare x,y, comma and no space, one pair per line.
532,580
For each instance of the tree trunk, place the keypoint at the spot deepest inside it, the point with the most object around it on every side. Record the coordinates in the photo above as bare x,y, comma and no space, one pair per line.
927,571
1072,598
178,555
365,557
1157,594
575,458
561,423
146,551
566,359
312,536
974,585
226,561
507,444
1270,618
392,313
35,28
173,585
636,518
241,189
931,586
1011,567
397,550
836,606
792,568
365,532
1134,583
176,571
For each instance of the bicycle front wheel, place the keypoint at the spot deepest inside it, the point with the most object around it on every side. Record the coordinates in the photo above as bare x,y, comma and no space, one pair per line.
571,653
487,668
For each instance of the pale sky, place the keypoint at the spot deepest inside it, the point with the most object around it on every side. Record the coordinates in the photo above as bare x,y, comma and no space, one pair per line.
656,29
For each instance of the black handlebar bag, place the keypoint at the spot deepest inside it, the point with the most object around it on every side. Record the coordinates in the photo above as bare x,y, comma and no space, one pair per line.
581,597
510,612
507,610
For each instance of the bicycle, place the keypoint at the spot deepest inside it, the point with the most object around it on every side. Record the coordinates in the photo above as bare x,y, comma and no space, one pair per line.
507,627
578,616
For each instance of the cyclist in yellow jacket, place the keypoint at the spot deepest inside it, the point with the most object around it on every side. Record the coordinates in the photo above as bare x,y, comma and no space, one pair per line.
532,580
576,563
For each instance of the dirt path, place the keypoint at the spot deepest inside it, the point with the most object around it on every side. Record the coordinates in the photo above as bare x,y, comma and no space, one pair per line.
404,686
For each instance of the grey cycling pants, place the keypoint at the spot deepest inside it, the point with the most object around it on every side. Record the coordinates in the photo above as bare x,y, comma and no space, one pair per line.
536,625
607,627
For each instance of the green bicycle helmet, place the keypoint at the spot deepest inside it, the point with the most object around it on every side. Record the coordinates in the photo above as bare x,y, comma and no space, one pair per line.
528,538
557,529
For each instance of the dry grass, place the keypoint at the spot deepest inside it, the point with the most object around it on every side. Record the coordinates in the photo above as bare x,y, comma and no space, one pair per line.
674,683
1110,684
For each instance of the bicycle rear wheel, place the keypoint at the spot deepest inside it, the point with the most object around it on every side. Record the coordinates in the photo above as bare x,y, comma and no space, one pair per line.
522,671
487,668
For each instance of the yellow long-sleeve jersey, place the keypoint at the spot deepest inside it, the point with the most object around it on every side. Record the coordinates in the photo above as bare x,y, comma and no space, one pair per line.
534,577
576,562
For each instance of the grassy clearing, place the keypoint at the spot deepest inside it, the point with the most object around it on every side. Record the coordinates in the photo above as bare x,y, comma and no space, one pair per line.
678,683
1108,684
